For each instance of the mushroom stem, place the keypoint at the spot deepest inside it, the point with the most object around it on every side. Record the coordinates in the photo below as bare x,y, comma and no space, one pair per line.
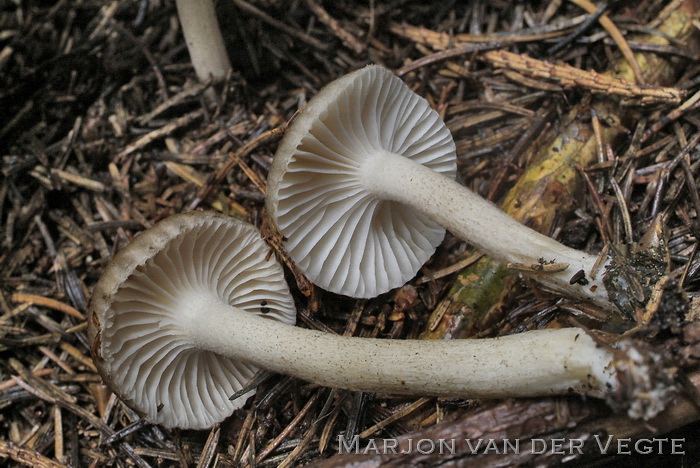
204,40
511,366
394,177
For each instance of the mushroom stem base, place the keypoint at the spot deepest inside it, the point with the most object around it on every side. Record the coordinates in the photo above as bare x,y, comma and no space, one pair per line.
481,223
204,40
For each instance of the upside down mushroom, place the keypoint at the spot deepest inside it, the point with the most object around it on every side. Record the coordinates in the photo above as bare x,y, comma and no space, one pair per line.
184,315
362,187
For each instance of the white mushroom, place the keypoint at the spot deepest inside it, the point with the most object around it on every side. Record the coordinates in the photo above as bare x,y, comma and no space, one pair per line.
203,38
184,315
157,290
364,178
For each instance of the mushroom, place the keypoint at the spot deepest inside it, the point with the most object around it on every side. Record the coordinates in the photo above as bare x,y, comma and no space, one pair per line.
203,38
362,186
159,309
185,314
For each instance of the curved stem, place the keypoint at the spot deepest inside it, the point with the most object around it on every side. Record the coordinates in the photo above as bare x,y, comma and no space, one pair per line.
481,223
204,40
527,364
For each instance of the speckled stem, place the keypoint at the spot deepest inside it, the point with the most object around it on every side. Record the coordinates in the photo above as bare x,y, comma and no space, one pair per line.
512,366
483,224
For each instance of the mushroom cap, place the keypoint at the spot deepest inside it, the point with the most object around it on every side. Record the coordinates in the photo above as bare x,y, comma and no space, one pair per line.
342,237
139,346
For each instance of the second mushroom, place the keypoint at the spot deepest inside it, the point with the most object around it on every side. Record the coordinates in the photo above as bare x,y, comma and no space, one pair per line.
363,185
184,316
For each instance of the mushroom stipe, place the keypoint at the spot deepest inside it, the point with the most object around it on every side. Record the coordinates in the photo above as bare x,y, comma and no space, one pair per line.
203,38
177,326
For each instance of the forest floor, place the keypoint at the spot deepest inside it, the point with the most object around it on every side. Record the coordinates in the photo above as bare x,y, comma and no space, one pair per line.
105,130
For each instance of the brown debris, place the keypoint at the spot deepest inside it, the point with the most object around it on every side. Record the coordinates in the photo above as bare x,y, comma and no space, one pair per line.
348,39
569,76
106,131
617,36
547,433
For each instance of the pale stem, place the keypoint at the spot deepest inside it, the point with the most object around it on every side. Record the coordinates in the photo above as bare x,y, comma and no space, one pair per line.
482,224
203,38
527,364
